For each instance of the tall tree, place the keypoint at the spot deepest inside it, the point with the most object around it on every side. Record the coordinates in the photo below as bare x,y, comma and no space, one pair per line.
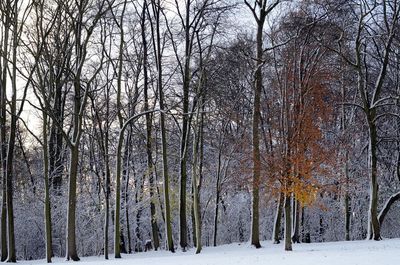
148,116
5,28
260,10
371,80
81,89
157,44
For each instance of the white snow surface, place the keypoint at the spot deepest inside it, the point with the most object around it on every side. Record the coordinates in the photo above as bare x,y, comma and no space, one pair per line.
385,252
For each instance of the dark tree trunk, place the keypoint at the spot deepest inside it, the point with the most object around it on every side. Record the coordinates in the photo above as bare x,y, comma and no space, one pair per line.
47,208
3,140
107,209
185,133
71,213
138,196
158,54
126,177
387,206
276,234
288,223
11,145
375,232
56,164
150,164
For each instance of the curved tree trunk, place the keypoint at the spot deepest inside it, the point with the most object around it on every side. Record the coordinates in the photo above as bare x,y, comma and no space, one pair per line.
395,197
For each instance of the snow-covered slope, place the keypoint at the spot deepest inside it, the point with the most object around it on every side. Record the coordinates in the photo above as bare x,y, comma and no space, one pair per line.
386,252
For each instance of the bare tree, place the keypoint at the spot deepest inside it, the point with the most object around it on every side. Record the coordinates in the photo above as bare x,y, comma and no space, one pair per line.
260,10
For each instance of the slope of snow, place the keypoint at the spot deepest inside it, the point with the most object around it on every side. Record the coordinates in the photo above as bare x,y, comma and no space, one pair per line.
342,253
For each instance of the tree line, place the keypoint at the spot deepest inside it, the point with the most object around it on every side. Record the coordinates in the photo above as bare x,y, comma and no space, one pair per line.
178,124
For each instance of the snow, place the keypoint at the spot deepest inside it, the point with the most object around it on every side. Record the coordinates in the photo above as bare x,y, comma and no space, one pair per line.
342,253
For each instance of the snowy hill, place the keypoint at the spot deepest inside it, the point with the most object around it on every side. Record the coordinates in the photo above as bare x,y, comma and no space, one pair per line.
342,253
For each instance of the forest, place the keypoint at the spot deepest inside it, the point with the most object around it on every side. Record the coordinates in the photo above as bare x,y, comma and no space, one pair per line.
135,125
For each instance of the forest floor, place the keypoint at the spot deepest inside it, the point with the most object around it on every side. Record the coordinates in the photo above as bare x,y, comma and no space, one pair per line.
341,253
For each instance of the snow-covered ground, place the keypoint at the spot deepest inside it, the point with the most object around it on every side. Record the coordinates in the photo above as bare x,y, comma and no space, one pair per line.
386,252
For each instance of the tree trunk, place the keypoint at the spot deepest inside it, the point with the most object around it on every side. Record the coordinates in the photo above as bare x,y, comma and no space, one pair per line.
150,164
346,205
47,208
128,227
117,227
4,250
126,177
277,221
107,184
185,133
138,198
255,233
387,206
196,180
3,147
11,145
296,221
56,165
193,219
288,223
374,230
3,141
71,214
9,198
217,196
182,201
168,228
107,209
197,219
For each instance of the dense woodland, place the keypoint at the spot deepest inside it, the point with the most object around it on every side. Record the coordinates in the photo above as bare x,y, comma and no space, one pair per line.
189,123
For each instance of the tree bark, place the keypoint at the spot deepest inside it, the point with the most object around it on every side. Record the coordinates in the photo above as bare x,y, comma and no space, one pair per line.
150,164
296,221
288,223
71,213
255,232
217,196
11,143
185,134
47,208
3,140
374,230
107,209
263,8
395,197
56,165
277,221
347,213
158,54
196,180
